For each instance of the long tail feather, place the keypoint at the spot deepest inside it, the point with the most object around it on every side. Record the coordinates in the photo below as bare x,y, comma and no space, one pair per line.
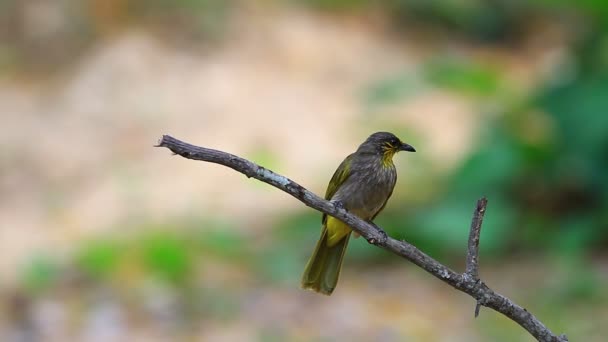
323,269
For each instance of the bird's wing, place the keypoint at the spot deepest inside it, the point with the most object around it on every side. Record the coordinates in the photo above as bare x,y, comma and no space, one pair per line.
340,176
383,205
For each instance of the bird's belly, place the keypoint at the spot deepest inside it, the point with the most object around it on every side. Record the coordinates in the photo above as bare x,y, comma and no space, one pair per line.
365,198
367,206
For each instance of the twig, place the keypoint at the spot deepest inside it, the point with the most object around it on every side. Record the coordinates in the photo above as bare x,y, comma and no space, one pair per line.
465,282
472,267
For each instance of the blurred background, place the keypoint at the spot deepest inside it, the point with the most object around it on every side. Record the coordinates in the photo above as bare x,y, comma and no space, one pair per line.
105,238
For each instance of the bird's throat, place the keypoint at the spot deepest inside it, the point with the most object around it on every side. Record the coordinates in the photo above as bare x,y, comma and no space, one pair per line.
387,158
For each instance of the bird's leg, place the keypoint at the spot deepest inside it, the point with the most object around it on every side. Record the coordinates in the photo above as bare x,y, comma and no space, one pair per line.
383,236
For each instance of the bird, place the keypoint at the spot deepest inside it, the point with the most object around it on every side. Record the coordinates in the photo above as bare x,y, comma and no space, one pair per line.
362,185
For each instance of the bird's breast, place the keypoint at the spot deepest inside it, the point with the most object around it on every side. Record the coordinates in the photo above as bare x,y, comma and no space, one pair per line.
366,191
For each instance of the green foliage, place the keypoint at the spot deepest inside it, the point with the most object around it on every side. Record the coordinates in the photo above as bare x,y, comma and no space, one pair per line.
337,5
463,76
482,20
99,258
558,182
300,230
541,157
40,274
393,88
578,109
597,8
582,285
166,255
278,261
449,73
292,242
575,234
222,240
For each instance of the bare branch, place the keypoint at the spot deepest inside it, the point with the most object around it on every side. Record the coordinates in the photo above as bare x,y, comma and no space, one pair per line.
472,264
466,282
472,267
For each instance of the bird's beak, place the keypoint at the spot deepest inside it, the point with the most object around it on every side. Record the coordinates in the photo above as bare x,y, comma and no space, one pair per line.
406,147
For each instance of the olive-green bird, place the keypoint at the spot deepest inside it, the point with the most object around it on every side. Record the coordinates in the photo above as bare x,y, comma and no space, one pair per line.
363,183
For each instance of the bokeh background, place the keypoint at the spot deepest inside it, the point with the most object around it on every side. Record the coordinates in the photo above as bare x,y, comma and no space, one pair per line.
105,238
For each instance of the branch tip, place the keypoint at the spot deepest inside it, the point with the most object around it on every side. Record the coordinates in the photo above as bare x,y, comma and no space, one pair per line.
162,141
472,262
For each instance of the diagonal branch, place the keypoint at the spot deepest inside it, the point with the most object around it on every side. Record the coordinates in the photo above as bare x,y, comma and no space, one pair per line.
467,282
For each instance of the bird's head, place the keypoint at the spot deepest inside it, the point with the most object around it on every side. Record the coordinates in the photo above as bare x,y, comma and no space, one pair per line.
385,144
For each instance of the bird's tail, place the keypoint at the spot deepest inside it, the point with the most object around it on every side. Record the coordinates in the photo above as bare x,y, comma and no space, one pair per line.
323,269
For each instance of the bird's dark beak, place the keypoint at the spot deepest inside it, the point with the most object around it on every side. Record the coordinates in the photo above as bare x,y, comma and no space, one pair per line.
406,147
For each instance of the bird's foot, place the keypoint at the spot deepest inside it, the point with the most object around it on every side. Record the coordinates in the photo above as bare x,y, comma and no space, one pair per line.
338,205
381,240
